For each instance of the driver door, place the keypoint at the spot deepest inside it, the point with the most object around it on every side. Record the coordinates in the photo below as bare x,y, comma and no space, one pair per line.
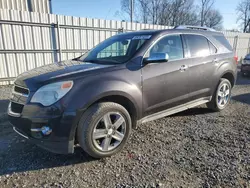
165,83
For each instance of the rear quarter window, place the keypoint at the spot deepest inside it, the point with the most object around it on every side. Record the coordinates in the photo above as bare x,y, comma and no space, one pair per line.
223,41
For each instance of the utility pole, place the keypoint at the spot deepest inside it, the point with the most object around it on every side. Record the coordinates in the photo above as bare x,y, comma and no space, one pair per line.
249,19
131,10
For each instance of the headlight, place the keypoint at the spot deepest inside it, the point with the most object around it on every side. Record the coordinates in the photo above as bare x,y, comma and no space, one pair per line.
51,93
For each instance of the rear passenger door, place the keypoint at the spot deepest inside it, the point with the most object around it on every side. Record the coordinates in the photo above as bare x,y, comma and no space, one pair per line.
202,61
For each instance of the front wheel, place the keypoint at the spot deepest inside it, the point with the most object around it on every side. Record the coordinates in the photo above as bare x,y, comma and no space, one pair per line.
104,129
221,97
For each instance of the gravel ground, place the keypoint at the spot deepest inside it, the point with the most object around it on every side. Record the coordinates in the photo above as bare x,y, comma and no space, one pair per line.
195,148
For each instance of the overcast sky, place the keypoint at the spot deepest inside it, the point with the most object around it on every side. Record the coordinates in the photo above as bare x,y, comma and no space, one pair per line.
107,9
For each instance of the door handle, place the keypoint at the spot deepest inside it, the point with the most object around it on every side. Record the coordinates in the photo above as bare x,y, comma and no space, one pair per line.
183,68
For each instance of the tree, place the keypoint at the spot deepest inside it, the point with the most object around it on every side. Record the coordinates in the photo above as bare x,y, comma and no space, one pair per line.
206,6
214,19
243,10
176,12
183,13
150,10
143,7
126,8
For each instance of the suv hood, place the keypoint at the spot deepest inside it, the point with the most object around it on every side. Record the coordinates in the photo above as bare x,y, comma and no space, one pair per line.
59,70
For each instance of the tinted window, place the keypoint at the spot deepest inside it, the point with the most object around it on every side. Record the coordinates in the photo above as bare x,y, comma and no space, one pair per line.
172,45
222,40
198,45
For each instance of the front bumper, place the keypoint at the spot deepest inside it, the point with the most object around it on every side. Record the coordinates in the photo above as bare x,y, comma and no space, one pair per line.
63,147
34,117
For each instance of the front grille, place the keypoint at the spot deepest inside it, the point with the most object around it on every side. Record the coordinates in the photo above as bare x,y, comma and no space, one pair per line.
18,99
16,108
21,90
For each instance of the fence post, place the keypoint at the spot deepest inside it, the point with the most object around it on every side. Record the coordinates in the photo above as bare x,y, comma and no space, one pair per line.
121,30
248,48
59,42
236,43
53,42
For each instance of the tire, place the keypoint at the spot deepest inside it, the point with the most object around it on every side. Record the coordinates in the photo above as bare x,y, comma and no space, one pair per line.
101,120
214,104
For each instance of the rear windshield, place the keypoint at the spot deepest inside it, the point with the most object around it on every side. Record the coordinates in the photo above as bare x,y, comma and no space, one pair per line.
222,40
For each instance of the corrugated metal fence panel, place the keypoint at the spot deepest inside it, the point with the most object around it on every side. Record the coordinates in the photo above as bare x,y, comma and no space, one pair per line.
14,4
32,39
42,6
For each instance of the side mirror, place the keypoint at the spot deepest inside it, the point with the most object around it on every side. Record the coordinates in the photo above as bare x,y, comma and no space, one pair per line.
156,58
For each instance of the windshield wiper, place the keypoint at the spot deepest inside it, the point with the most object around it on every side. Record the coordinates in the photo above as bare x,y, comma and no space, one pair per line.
106,61
92,61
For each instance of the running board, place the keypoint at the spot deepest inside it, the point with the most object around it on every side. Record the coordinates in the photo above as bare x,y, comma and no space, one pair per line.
174,110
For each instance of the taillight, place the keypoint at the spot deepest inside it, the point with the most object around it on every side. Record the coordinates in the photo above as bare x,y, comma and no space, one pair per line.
236,59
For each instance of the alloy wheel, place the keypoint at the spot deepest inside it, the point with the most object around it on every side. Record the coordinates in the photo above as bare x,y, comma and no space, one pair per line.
109,131
223,95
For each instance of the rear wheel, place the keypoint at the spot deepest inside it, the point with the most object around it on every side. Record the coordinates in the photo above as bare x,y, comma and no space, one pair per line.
221,97
104,129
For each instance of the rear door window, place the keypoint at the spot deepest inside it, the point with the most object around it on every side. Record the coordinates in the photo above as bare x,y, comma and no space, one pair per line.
198,45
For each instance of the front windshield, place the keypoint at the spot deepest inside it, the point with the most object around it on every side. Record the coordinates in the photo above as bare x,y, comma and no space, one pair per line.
116,50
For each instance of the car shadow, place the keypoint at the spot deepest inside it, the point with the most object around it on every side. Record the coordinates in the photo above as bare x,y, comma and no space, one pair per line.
3,106
242,80
243,98
193,111
24,156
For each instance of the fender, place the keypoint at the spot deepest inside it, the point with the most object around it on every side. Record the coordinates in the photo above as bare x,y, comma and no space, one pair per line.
224,68
91,90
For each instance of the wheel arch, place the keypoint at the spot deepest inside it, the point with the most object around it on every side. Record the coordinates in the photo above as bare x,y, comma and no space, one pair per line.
229,76
124,101
119,98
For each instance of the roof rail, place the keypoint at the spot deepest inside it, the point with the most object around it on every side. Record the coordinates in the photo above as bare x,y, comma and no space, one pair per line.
193,27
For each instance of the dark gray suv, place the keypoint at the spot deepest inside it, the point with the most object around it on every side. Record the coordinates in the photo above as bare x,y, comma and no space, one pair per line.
95,100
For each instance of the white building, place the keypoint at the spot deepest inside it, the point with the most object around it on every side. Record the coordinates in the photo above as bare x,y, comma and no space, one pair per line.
42,6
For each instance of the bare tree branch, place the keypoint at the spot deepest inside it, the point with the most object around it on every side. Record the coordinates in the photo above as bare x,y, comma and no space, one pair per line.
243,17
175,12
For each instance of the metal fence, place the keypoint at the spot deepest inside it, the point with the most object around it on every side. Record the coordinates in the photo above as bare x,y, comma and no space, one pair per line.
42,6
31,39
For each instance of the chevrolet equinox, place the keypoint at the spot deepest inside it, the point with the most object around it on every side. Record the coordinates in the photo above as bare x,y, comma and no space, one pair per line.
95,100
